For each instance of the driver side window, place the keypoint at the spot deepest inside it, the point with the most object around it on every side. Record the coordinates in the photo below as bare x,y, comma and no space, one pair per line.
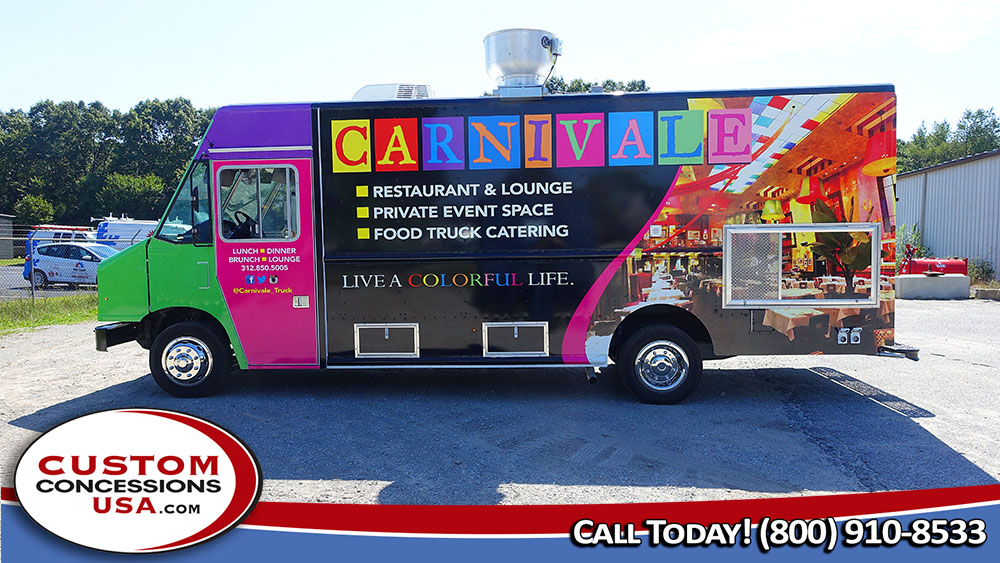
189,220
258,203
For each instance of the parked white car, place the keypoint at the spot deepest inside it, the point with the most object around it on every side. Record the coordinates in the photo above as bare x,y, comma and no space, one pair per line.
66,262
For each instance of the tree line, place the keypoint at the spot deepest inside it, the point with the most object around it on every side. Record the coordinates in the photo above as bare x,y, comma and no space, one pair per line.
977,132
67,162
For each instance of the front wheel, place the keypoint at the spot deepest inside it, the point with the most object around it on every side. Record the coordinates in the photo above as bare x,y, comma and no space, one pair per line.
660,364
189,360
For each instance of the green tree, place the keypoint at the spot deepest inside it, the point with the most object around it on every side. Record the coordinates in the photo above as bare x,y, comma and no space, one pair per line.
33,210
14,162
978,131
159,137
65,144
140,197
558,85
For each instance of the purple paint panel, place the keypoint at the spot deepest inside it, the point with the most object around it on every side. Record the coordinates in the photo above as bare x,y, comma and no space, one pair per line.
443,143
284,125
729,136
580,139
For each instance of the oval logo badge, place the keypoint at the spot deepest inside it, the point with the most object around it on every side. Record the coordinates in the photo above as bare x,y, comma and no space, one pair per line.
138,480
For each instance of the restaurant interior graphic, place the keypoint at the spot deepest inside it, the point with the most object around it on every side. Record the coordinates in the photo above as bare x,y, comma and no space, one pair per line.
818,159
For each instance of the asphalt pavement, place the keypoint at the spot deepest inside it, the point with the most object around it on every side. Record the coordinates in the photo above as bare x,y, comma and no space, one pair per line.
14,286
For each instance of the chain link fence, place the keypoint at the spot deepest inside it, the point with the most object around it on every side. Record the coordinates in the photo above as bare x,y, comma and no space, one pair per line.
56,270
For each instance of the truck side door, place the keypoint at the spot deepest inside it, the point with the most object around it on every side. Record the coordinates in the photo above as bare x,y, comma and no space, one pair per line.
266,260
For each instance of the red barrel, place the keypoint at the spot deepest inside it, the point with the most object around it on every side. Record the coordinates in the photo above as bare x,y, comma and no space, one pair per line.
938,265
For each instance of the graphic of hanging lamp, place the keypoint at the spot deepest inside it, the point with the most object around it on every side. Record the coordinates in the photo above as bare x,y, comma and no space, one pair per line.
880,154
812,190
772,211
673,205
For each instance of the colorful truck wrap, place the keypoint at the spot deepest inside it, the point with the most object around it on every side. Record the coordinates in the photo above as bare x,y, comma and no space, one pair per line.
652,230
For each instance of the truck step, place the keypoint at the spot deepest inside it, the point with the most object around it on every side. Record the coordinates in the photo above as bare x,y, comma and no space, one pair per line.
899,350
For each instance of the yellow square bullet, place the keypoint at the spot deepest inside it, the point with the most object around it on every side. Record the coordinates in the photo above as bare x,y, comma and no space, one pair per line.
263,258
363,234
362,191
262,251
362,213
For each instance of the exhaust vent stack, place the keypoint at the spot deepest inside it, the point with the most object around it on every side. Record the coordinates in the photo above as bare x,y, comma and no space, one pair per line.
520,60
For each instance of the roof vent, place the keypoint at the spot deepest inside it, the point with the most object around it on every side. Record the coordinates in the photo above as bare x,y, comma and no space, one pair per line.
521,59
373,92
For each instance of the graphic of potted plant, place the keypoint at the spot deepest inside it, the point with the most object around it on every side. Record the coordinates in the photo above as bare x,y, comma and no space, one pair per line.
851,252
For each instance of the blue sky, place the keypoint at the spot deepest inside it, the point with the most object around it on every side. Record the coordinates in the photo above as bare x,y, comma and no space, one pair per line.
215,53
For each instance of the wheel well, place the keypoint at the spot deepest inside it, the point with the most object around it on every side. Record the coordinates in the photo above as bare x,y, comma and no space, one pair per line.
669,314
157,321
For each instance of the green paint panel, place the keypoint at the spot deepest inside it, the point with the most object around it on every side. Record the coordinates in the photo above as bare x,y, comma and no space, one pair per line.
122,294
177,278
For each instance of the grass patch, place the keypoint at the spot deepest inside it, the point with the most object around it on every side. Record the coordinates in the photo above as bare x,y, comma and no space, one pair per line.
11,261
22,313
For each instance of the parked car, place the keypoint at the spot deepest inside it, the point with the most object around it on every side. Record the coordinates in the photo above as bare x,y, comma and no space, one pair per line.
66,262
46,234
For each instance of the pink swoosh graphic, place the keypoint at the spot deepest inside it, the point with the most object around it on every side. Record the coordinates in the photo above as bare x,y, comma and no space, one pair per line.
574,348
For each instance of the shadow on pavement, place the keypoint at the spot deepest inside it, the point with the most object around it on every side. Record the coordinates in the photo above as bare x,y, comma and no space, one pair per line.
452,437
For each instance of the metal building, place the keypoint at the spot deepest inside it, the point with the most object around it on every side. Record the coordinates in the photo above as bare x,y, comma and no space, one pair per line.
6,236
956,205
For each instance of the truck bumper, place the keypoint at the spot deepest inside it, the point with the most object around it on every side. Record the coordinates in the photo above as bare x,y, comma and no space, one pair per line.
114,334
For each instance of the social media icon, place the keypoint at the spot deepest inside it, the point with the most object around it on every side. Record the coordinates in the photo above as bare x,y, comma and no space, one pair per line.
261,279
273,279
249,280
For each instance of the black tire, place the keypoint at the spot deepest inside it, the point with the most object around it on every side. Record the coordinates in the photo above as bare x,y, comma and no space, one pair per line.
39,279
200,362
660,364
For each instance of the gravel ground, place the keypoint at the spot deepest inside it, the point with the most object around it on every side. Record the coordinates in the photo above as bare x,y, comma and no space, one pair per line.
756,427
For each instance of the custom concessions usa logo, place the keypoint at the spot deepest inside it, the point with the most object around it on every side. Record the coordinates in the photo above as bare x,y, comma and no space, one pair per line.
138,481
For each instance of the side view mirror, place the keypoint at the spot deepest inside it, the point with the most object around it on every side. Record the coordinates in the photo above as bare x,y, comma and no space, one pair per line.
88,258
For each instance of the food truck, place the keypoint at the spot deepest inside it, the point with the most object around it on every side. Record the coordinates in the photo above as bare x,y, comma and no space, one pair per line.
648,230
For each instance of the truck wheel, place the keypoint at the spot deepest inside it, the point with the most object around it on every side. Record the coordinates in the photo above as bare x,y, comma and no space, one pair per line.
38,279
189,360
660,364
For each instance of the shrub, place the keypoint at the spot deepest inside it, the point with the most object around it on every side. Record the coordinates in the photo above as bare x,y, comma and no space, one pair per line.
981,270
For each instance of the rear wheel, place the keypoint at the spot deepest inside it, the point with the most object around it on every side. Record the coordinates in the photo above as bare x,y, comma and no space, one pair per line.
38,279
660,364
189,360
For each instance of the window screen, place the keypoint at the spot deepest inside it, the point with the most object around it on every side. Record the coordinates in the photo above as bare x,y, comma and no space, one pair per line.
810,265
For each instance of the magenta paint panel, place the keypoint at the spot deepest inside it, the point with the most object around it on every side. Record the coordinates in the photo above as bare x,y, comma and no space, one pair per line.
729,136
580,139
260,278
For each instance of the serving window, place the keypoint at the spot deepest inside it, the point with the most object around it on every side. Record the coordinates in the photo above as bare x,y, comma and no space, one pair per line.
802,265
258,203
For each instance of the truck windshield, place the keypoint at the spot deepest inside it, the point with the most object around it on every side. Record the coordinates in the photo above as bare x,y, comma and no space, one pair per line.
103,251
189,219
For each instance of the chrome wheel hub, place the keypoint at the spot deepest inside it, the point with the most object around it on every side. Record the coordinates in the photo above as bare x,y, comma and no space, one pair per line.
661,365
187,360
